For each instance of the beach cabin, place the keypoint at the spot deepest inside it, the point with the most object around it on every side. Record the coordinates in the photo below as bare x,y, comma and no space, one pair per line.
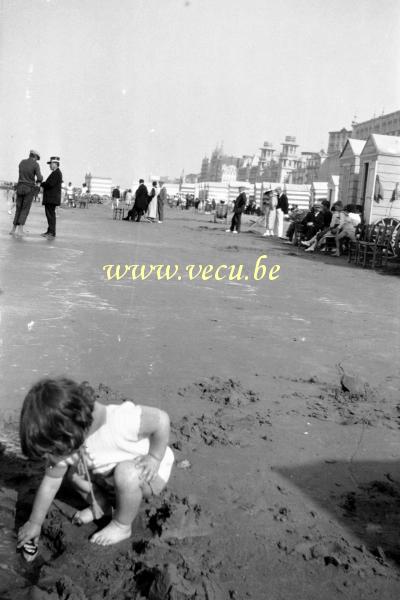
213,190
349,169
318,191
333,189
101,186
189,188
379,181
298,194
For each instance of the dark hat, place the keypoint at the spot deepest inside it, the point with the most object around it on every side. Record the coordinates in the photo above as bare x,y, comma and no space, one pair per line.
34,153
54,159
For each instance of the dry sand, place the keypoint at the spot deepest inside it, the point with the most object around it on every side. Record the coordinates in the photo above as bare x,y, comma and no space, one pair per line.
286,486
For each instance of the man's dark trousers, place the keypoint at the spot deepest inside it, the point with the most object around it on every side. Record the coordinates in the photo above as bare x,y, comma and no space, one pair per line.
236,221
22,207
50,210
160,209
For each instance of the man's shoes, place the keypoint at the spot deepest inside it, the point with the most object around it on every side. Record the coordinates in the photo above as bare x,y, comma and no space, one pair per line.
125,219
235,231
159,221
266,234
305,243
310,249
228,231
44,234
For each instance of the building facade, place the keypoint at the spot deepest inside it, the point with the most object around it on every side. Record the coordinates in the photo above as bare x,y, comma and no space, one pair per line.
337,140
384,125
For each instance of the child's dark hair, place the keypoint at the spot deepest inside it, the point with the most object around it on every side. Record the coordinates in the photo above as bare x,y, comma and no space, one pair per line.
55,417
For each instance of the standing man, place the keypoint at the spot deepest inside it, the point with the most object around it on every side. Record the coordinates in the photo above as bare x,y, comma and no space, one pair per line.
29,176
161,200
116,195
52,195
282,208
238,208
141,203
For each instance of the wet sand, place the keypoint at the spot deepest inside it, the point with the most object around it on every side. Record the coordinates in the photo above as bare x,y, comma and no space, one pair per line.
286,486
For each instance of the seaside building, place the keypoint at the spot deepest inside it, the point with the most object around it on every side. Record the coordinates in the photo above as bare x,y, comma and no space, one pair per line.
384,125
212,168
337,140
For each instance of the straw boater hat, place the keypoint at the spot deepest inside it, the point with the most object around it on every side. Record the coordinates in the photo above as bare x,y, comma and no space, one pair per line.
269,190
34,153
54,159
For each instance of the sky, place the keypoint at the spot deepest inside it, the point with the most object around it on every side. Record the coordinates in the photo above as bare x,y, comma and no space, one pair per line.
135,88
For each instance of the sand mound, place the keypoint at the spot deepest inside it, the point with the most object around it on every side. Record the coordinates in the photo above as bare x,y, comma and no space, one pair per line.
222,392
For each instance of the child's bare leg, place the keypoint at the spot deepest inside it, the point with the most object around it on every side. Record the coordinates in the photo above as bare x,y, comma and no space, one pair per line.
129,492
82,486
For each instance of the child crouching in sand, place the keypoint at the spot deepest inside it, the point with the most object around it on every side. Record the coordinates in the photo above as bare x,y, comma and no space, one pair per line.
96,447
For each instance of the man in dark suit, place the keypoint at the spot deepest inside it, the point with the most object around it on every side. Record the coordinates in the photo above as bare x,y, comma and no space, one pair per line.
52,195
141,203
29,176
238,208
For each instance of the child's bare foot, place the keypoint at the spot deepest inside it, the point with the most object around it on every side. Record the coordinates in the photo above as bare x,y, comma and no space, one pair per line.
83,517
113,533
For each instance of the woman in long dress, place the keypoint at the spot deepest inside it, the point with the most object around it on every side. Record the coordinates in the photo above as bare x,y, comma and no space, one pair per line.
152,207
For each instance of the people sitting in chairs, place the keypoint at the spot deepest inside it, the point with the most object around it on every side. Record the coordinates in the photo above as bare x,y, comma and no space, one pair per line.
323,225
347,231
296,216
314,221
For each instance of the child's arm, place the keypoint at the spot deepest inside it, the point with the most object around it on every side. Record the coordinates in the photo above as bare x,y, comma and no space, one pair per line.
43,499
155,425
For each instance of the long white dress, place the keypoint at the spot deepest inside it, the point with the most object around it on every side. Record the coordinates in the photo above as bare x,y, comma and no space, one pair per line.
152,208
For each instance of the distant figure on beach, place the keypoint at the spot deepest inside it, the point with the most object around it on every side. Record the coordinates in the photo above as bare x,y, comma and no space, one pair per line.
116,195
282,209
113,455
52,195
70,194
128,197
140,205
28,178
161,202
152,207
238,208
269,205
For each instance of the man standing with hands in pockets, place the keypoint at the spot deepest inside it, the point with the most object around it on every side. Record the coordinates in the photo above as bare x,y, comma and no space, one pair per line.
52,195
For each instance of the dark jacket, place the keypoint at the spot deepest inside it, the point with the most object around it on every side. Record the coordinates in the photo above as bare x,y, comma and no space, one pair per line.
283,203
327,217
52,188
142,197
116,193
317,219
240,203
29,172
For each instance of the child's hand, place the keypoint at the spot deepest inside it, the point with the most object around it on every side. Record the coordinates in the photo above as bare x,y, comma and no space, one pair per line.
149,465
29,531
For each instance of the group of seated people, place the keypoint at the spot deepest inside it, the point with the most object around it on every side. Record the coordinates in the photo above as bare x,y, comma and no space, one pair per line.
320,224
